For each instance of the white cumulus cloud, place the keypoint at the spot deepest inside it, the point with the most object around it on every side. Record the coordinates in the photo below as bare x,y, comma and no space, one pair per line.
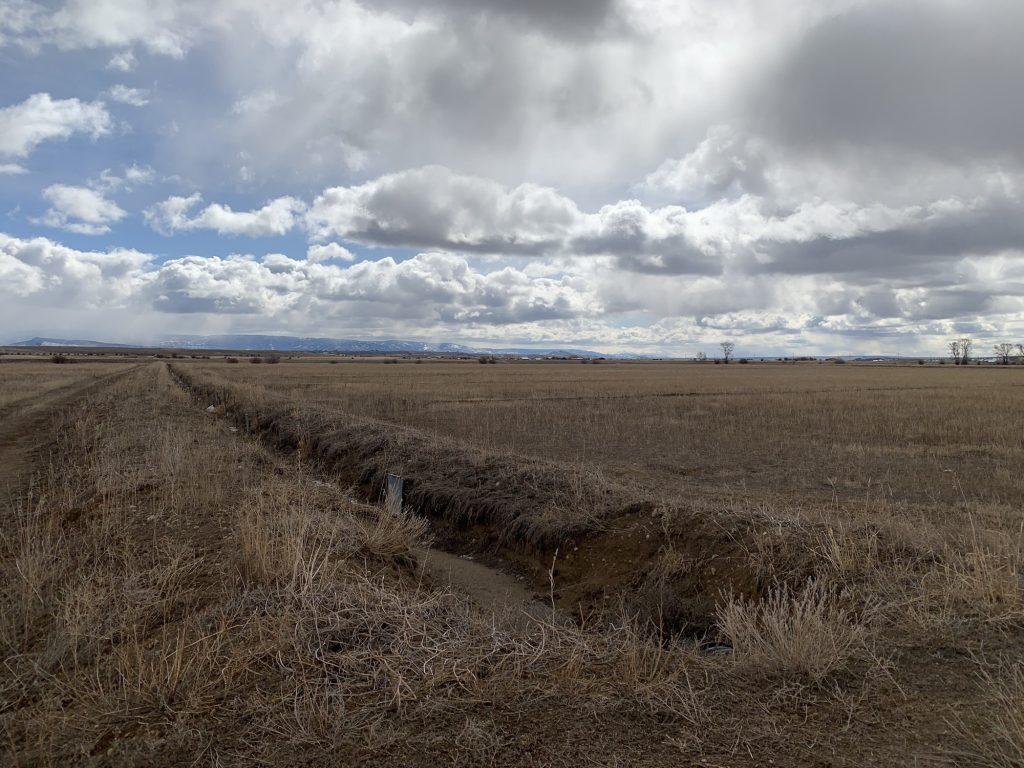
132,176
448,296
328,251
80,209
40,118
175,214
133,97
47,273
433,207
122,62
433,288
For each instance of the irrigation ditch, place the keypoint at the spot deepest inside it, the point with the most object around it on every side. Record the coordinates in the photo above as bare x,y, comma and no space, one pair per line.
595,548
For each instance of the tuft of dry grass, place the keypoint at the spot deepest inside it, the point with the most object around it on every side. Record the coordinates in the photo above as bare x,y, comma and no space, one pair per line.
997,741
667,677
179,672
389,536
285,546
806,635
34,559
303,532
987,577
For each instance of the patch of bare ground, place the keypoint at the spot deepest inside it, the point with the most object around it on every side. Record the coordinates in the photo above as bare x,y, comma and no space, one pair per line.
176,594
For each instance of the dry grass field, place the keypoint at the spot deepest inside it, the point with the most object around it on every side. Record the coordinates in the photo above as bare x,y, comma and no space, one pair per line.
800,565
23,381
936,434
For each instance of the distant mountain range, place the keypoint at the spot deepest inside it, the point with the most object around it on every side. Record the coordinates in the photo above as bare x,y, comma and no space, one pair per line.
38,341
319,344
267,343
259,343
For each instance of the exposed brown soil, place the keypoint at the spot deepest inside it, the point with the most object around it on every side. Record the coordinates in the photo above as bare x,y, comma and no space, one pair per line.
490,588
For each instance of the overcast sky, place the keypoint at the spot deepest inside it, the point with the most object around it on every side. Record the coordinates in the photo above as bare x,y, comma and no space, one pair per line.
799,176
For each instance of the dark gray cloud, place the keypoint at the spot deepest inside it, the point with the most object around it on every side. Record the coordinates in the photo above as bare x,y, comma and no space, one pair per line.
919,248
568,18
940,78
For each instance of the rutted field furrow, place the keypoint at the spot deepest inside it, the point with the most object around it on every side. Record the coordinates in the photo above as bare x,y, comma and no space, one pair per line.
23,382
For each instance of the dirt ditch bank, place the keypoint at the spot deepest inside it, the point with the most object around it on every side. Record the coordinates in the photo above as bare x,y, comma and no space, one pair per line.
593,545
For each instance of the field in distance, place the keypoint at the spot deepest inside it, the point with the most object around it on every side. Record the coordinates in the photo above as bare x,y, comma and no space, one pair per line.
804,432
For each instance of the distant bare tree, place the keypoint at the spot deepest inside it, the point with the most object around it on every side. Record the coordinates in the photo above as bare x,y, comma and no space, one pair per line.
1003,350
965,350
700,357
954,351
1020,353
728,347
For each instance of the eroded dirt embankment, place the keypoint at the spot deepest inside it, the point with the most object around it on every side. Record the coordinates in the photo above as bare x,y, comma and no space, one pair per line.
600,544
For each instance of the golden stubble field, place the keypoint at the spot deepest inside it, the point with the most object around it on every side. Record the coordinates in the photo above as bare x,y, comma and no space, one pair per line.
928,435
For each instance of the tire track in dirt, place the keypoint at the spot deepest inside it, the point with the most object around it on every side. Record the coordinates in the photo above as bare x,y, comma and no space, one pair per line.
23,429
